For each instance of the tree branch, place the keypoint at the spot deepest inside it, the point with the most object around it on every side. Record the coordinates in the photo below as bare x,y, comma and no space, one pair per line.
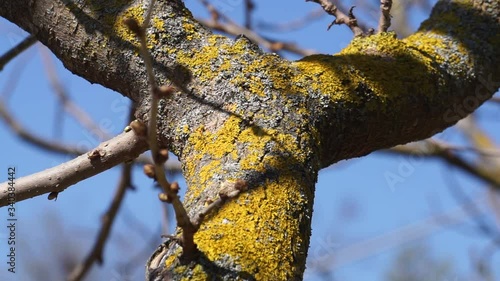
122,148
96,254
231,28
16,50
340,16
436,150
385,15
65,149
243,114
27,136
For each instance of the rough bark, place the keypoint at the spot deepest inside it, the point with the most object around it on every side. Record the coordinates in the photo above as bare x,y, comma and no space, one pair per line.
244,114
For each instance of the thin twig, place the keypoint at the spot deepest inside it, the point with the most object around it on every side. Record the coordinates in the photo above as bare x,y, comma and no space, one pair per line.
490,152
183,221
122,148
65,149
249,7
149,13
435,151
385,15
73,109
31,138
16,50
294,24
96,254
232,28
340,17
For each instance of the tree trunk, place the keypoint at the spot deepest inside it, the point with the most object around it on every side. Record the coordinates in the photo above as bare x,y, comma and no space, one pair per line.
242,114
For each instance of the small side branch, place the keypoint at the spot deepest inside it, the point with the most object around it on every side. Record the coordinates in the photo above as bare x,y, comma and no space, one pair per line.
95,254
385,15
29,137
222,23
16,50
64,149
160,155
69,106
435,149
341,17
249,7
122,148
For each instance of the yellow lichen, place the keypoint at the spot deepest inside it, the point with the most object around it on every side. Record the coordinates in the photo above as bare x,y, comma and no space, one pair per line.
190,29
370,63
207,171
266,240
218,55
199,274
200,63
158,24
136,13
121,30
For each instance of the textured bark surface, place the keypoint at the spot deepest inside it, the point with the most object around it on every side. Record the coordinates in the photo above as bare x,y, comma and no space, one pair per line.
245,114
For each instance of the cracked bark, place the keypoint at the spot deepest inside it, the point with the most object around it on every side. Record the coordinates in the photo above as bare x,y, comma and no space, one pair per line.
243,114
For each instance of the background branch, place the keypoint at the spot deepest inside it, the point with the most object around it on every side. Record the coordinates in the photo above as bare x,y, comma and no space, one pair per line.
96,254
16,50
230,27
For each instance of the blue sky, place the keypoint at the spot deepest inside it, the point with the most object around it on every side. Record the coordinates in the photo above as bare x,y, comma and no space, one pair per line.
354,202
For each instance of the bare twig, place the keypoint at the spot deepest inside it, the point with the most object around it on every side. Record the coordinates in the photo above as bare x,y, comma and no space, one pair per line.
249,7
434,150
96,254
272,45
340,17
385,15
491,152
31,138
160,155
16,50
292,25
74,110
232,28
64,149
122,148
